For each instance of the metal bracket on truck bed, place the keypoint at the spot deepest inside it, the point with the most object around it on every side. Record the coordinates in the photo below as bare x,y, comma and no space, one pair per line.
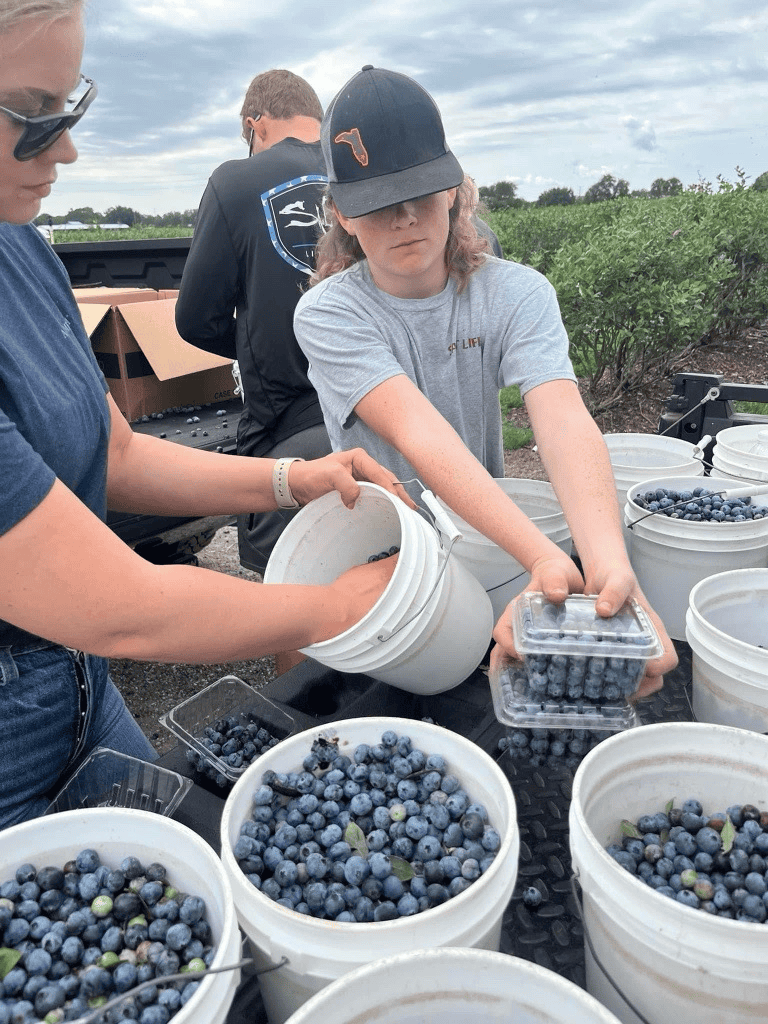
701,403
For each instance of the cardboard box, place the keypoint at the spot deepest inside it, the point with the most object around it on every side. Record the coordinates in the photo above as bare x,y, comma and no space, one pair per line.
148,365
113,296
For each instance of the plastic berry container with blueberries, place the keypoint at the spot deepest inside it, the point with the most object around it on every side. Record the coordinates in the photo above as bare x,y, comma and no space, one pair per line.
578,669
227,726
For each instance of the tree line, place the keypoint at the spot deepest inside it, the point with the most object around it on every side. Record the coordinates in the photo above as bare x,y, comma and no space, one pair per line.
121,215
503,195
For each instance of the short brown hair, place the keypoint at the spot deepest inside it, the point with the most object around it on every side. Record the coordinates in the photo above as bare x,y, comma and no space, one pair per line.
281,95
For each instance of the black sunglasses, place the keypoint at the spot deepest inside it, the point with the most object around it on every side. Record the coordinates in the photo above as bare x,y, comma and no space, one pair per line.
41,132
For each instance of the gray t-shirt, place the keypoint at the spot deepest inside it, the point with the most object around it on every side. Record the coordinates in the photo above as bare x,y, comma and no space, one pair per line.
458,349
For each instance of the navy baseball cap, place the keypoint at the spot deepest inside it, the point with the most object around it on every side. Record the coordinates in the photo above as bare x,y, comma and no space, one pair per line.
383,143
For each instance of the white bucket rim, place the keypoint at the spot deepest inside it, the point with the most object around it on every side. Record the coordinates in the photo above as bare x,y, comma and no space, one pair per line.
737,580
728,465
317,927
539,488
454,959
656,523
711,928
732,438
619,445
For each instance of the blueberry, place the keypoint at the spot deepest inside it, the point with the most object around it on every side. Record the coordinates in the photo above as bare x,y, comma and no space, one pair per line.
407,905
626,860
16,932
437,894
380,865
95,981
87,861
126,904
49,998
386,911
192,909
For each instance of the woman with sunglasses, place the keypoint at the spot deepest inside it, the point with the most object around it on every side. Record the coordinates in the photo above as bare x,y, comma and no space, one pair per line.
71,593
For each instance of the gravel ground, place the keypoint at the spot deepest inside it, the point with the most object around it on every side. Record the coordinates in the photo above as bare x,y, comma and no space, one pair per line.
150,689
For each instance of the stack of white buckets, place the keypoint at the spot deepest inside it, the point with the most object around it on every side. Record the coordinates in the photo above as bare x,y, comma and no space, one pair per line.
726,622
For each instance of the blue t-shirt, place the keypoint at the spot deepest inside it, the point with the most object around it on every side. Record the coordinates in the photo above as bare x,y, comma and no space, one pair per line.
54,420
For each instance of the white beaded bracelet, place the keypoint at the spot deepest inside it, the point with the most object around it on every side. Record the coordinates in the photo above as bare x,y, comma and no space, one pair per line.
282,491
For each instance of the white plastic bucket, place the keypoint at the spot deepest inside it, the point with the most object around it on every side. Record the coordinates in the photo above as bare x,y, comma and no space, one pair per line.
452,986
192,866
637,457
502,576
742,453
430,628
727,628
670,556
672,963
321,951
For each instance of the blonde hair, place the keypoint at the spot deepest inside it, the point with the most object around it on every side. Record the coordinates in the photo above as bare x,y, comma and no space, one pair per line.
281,95
14,12
465,249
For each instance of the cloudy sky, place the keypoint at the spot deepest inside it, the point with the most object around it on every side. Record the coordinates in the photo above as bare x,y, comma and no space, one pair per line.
543,93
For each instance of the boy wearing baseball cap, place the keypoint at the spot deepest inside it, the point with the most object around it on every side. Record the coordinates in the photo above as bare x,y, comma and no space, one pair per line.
412,327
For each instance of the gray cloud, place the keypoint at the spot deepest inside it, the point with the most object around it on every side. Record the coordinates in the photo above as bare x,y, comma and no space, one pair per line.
641,133
546,91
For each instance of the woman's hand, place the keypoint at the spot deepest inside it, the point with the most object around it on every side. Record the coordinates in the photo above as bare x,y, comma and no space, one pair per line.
358,589
340,472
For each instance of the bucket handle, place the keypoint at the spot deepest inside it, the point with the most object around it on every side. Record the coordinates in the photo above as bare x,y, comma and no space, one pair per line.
444,528
98,1013
745,491
593,951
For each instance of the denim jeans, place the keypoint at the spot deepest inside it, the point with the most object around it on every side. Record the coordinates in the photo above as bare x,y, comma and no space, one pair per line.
56,707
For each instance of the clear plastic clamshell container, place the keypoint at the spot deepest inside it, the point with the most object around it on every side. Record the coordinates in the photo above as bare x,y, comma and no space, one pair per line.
108,778
231,704
578,669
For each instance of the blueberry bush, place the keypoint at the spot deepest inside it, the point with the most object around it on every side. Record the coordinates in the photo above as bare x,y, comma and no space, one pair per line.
641,282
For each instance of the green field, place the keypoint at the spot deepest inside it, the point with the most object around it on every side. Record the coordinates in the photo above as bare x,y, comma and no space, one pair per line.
137,233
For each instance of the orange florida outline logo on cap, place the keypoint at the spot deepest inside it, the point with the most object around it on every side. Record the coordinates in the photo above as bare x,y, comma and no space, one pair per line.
353,140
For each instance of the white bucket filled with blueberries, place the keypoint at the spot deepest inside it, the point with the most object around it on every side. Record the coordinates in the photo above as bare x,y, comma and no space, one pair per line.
115,907
682,534
638,457
369,880
726,626
669,842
